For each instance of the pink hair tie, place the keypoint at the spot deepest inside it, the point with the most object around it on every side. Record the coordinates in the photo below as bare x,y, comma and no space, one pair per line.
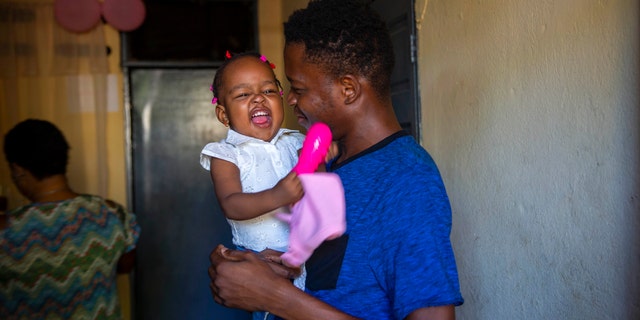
264,59
215,99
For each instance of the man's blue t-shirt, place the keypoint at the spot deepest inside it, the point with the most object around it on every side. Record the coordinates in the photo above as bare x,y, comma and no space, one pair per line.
395,256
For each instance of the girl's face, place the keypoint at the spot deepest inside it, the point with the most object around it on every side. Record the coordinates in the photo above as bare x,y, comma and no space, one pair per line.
249,99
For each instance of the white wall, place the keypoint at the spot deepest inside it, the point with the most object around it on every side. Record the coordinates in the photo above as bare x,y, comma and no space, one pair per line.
531,109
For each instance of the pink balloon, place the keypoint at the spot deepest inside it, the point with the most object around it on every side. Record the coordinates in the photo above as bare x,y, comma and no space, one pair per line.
124,15
77,15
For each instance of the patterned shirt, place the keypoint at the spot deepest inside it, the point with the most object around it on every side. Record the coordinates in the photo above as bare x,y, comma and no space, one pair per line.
58,259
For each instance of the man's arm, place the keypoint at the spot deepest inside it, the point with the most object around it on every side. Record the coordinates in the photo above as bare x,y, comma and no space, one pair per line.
433,313
241,279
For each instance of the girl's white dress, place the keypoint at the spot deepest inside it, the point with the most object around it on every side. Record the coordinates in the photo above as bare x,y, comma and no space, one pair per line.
261,164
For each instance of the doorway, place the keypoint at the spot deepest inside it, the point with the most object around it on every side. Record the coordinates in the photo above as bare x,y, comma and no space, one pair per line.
168,70
170,119
400,18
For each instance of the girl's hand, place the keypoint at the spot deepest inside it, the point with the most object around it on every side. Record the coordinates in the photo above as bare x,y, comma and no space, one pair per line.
276,264
333,152
288,190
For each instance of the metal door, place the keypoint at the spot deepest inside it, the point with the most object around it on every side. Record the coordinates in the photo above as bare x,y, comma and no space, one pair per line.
172,118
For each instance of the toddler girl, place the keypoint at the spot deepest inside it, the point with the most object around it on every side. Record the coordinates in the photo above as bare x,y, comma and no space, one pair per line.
251,168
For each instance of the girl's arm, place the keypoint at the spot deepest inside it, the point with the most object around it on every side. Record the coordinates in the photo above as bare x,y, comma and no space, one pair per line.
237,205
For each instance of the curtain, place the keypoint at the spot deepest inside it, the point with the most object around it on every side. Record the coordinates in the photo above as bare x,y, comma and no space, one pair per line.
49,73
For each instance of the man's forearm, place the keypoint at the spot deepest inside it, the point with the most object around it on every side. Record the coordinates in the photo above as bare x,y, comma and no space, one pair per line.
298,305
433,313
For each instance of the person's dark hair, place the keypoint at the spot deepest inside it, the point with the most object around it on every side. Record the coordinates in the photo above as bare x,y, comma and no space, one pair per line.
231,57
344,37
38,146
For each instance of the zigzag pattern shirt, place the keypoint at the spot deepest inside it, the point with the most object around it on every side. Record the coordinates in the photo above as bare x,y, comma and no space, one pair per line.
58,259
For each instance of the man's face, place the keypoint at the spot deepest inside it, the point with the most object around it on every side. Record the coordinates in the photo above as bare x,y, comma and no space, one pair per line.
311,94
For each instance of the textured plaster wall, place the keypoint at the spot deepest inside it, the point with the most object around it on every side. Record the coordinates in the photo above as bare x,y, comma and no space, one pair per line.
531,109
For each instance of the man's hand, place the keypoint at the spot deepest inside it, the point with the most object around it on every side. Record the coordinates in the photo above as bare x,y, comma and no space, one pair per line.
250,281
246,280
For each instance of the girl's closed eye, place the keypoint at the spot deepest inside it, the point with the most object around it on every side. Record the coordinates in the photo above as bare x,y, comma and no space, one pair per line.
243,95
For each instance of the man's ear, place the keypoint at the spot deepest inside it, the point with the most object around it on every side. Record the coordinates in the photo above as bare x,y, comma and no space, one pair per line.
221,113
351,88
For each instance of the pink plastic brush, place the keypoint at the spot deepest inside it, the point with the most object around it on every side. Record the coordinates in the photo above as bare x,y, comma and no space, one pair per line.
314,148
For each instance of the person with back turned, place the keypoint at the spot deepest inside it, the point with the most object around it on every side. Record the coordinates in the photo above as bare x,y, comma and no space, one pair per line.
59,255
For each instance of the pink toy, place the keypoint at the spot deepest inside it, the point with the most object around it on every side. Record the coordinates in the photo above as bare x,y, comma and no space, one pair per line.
314,148
320,214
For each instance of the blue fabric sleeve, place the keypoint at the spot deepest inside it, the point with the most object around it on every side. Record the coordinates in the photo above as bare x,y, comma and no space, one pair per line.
418,267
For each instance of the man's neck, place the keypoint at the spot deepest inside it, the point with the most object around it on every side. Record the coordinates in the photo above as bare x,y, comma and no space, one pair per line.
376,123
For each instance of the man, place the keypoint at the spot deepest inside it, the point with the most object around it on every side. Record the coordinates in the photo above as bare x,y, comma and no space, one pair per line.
395,260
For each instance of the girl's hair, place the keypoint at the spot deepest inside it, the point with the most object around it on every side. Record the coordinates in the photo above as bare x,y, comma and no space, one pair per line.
230,58
344,37
38,146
